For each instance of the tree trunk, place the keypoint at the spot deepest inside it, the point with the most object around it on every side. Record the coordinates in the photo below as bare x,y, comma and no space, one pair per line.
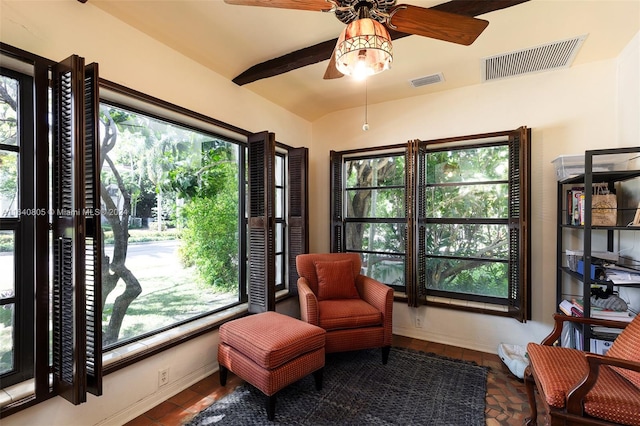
119,221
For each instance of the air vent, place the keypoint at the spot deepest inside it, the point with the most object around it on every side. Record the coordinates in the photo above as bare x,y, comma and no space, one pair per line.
429,79
556,55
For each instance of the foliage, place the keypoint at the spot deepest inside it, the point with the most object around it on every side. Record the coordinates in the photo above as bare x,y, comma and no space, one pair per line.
210,215
8,136
6,242
463,256
461,184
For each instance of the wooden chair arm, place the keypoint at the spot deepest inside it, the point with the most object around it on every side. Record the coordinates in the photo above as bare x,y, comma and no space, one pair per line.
576,395
560,319
308,302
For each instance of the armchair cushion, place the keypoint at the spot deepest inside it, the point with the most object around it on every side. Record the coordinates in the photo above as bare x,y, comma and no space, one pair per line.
627,346
347,313
558,369
336,280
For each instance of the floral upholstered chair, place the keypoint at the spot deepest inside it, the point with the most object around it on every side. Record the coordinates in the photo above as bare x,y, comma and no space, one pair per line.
354,309
579,387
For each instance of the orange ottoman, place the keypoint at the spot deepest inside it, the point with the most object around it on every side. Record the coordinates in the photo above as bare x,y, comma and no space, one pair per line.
270,351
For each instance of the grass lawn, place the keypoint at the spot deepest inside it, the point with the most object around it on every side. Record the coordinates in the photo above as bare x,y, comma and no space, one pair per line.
170,292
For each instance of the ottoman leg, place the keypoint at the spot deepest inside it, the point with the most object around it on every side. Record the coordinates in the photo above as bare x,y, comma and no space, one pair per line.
271,407
223,374
318,376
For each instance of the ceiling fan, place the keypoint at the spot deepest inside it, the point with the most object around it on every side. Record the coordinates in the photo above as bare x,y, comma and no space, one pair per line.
388,20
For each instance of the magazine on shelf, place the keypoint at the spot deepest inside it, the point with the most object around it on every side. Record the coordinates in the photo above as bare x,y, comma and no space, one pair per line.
622,275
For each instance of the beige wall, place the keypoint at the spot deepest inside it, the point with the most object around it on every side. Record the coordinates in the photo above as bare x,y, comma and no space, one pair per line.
56,29
568,110
586,107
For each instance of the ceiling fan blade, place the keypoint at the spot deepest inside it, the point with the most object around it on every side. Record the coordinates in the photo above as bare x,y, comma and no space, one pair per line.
314,5
475,7
436,24
331,71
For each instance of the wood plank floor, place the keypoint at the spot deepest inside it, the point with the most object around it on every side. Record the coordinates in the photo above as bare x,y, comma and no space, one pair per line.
506,395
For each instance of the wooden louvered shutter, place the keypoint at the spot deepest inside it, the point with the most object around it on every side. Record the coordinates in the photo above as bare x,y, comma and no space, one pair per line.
93,236
336,203
298,220
76,313
519,215
261,207
415,229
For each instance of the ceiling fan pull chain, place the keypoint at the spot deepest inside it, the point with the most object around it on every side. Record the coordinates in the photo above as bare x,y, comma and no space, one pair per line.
365,126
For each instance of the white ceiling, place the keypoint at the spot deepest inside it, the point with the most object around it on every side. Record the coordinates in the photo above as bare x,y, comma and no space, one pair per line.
230,39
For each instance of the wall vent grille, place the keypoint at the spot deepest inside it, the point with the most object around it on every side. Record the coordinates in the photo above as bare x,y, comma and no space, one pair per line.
426,80
556,55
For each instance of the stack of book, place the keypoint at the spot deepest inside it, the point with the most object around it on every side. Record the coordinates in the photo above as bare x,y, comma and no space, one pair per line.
575,308
575,202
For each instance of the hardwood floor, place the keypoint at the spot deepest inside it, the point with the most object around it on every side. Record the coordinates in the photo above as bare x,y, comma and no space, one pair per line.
506,396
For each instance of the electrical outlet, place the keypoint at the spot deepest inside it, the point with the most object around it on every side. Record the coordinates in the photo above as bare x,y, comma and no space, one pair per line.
418,322
163,377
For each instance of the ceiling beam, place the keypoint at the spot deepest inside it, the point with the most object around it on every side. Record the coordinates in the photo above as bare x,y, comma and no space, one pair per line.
322,51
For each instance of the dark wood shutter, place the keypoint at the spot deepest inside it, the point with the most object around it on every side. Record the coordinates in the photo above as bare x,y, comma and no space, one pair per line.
519,215
76,311
261,216
415,231
336,202
298,220
93,236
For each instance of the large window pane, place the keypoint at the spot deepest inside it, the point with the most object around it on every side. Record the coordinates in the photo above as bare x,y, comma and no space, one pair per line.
8,111
377,171
378,237
466,188
9,201
7,298
375,191
468,240
488,201
480,164
384,268
170,222
467,276
381,203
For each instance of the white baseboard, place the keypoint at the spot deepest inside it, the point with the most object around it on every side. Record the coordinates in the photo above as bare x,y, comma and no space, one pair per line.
444,339
161,395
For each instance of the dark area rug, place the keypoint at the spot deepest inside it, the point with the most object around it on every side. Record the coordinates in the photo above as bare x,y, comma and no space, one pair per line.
414,388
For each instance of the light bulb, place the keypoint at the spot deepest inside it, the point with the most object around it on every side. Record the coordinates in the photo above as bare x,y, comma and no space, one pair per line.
361,70
365,126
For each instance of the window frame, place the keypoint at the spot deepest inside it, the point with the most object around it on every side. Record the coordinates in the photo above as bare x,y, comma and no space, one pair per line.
38,255
517,302
23,226
372,220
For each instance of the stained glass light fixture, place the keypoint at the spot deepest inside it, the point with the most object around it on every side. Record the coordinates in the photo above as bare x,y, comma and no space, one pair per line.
364,47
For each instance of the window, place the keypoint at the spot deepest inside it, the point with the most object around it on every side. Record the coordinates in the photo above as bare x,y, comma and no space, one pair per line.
129,220
443,222
170,205
17,214
374,223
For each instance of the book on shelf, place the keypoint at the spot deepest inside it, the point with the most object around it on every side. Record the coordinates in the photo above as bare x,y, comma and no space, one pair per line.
610,331
575,308
625,316
570,309
576,201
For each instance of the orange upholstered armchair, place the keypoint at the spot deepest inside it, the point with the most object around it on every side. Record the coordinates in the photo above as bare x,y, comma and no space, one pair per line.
583,388
354,309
